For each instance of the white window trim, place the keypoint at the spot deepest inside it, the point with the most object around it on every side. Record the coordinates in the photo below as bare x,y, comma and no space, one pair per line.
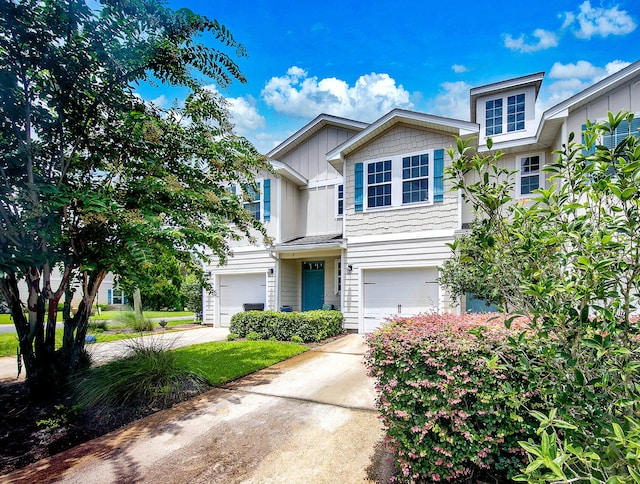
339,216
518,161
260,183
505,114
396,181
337,277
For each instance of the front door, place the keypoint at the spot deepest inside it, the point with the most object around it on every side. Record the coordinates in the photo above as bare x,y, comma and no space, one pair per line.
312,285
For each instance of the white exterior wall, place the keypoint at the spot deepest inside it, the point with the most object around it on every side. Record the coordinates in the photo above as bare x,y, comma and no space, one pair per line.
420,250
244,261
408,218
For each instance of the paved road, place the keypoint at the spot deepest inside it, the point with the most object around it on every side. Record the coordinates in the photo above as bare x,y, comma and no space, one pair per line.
10,328
310,419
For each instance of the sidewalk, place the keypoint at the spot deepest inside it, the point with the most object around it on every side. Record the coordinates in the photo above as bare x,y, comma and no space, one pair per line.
308,419
101,352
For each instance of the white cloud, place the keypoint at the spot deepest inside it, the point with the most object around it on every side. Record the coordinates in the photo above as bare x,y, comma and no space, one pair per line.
453,101
244,113
600,21
458,68
581,70
545,38
572,78
372,95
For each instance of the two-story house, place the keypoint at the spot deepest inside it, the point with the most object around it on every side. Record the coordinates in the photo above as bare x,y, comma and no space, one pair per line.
361,214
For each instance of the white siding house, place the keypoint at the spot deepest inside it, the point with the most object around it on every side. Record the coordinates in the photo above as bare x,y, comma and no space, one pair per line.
360,214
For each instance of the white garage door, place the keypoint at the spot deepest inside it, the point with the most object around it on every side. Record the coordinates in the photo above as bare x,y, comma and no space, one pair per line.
235,290
398,291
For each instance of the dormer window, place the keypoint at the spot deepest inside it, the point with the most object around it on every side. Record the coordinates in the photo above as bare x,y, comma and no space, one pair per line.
494,118
515,112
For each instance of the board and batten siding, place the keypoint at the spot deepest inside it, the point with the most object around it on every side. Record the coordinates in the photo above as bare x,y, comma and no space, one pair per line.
291,220
309,157
407,218
320,214
420,252
243,261
624,98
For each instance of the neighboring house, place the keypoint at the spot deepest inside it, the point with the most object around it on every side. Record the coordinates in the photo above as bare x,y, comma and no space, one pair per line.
108,293
361,215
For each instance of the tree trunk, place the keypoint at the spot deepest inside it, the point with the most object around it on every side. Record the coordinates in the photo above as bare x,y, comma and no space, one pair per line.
137,303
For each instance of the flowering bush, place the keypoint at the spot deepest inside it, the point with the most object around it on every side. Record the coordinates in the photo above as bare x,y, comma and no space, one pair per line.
450,405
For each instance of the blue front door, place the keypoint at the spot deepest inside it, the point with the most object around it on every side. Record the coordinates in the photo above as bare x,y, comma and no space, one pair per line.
312,285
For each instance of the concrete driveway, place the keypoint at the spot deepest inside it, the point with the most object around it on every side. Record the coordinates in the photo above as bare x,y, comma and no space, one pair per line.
310,419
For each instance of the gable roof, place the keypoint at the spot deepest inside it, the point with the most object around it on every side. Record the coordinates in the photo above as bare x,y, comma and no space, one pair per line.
553,117
400,116
311,129
534,80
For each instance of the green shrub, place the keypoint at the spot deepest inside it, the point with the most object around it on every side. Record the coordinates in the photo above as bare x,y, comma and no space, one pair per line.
253,336
309,325
449,404
296,339
136,323
97,326
232,336
148,376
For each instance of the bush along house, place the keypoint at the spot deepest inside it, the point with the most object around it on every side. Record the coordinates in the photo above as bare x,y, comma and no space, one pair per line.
360,214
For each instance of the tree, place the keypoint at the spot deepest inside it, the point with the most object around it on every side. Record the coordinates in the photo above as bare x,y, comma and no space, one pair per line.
92,178
569,259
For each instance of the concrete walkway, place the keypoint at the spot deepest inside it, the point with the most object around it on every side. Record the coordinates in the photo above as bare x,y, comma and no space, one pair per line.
310,419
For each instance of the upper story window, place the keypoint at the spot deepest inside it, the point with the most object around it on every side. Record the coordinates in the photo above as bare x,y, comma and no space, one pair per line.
494,119
530,171
515,112
379,179
340,200
400,180
415,178
624,129
258,203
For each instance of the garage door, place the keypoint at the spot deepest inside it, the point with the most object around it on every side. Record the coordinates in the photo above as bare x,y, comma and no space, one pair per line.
237,289
398,291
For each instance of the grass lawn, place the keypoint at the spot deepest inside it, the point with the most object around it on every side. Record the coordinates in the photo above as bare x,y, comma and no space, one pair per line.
115,315
9,341
223,361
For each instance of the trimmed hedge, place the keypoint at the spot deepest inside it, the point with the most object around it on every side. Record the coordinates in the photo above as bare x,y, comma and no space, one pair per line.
449,403
310,326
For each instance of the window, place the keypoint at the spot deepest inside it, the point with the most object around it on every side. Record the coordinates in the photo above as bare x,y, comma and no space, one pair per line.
379,184
340,200
415,173
258,203
515,119
252,201
529,174
402,180
337,282
116,297
494,117
515,112
611,140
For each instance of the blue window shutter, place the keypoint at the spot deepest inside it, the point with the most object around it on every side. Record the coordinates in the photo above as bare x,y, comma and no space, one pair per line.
438,172
109,296
266,189
593,148
124,298
233,189
359,187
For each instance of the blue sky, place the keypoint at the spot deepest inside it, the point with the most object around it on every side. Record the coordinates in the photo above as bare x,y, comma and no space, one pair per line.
361,59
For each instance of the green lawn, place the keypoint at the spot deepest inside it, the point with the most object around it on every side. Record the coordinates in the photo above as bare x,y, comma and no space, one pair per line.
9,341
115,315
223,361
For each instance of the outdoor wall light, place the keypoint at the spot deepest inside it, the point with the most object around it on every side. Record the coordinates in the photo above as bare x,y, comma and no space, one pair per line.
349,267
271,270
